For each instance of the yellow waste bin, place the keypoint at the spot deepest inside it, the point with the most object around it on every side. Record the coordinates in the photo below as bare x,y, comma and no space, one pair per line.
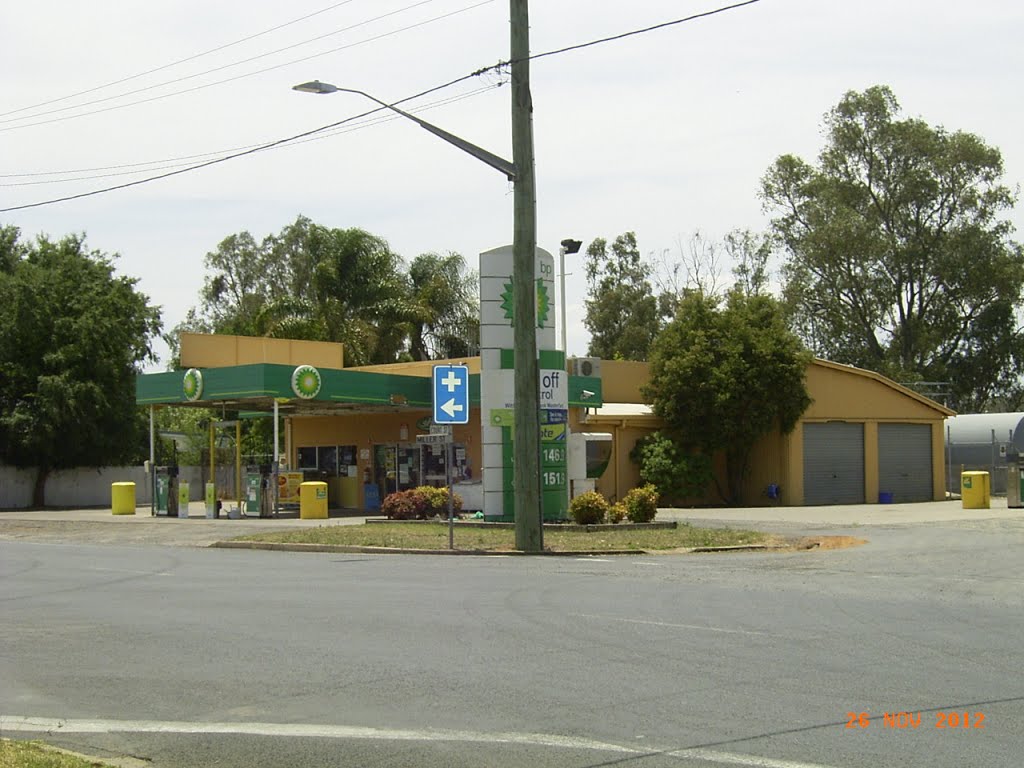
313,501
975,491
122,498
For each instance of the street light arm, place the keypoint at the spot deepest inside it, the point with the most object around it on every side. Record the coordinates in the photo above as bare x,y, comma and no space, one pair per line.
479,153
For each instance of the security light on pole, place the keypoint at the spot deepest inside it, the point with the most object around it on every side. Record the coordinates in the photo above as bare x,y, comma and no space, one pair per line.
569,246
315,86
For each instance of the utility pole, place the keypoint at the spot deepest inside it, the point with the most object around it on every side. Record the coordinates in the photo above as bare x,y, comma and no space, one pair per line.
526,432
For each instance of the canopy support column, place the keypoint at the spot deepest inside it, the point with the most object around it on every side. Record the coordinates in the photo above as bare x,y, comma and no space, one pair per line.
152,461
277,462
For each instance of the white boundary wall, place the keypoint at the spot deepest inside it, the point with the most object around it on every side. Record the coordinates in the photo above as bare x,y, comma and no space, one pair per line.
85,486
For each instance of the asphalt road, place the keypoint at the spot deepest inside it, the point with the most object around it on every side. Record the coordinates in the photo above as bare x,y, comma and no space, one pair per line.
198,657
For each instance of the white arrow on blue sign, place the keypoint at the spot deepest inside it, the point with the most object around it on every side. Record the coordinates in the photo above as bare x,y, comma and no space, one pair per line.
451,394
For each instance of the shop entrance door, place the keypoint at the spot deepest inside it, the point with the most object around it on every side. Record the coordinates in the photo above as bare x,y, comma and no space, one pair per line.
396,467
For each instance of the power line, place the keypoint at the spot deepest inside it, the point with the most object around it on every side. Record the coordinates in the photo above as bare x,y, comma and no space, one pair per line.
174,162
653,28
176,63
209,71
159,165
497,66
216,161
236,77
494,67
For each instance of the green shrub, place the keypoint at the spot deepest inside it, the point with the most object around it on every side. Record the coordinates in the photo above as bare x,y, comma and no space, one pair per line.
641,504
675,472
436,500
588,508
616,513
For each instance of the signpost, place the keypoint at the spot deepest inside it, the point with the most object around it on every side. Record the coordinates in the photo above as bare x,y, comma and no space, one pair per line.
450,406
451,394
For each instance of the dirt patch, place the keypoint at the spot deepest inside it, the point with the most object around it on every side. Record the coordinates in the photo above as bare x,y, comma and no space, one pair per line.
773,543
828,542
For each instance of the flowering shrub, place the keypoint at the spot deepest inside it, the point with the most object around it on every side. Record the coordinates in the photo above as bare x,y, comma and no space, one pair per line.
420,503
641,504
588,508
616,513
404,505
436,500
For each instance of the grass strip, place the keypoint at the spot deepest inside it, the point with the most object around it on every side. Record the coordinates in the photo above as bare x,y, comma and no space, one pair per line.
435,536
36,754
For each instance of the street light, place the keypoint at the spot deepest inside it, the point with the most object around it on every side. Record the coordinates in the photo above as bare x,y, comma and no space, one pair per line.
315,86
527,485
569,246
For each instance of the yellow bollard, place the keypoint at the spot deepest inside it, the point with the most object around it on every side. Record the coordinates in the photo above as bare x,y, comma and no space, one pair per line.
122,498
313,501
183,497
975,492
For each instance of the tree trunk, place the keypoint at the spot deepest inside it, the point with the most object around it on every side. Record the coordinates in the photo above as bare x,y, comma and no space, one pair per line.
39,491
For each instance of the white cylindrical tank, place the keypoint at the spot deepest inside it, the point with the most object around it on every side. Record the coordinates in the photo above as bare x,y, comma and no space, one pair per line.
986,442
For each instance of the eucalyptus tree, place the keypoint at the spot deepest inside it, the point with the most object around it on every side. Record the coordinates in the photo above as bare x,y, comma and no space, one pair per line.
899,255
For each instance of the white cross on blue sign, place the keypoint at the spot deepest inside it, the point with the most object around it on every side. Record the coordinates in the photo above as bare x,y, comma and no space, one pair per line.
451,394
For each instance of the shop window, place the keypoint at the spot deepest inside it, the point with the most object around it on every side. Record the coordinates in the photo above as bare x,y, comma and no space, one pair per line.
307,458
327,459
348,465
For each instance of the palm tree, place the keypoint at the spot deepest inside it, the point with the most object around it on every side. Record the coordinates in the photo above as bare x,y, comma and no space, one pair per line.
447,321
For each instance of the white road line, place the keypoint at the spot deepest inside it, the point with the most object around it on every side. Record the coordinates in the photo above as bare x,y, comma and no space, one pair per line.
675,626
20,724
14,723
748,761
594,559
125,570
302,730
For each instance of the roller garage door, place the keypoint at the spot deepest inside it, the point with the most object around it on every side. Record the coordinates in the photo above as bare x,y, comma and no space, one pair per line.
834,463
905,461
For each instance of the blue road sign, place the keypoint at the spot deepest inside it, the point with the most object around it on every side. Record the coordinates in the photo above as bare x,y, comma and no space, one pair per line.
451,394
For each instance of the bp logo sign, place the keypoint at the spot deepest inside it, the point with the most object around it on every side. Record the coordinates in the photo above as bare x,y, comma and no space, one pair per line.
306,382
192,384
543,302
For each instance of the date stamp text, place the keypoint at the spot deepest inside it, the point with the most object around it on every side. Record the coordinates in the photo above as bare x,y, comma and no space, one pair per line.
914,720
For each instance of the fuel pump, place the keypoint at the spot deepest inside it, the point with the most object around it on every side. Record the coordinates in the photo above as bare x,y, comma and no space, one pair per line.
167,490
259,499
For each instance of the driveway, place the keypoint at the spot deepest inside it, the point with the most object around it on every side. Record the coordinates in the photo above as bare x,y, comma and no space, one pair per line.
99,526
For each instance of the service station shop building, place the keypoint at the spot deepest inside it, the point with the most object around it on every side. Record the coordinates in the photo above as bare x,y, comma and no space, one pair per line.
864,439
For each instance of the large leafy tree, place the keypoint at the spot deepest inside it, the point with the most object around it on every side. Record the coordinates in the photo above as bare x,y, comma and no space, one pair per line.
623,314
444,294
73,335
311,282
245,277
725,373
898,258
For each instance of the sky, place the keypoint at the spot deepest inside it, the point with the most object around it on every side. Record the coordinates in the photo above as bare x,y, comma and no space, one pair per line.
663,133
